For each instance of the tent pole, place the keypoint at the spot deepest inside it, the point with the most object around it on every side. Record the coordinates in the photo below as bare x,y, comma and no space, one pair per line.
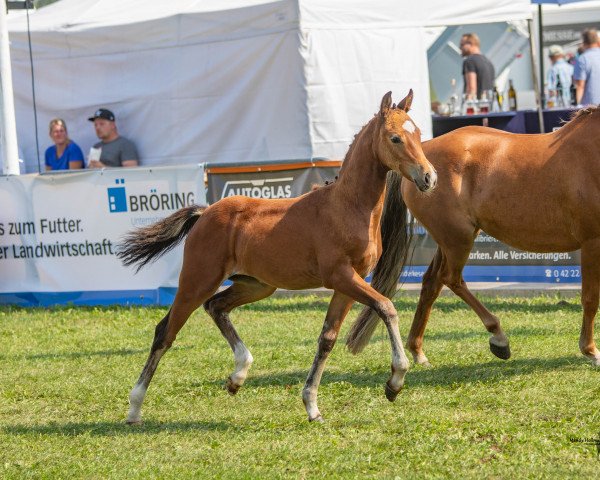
539,95
8,129
542,94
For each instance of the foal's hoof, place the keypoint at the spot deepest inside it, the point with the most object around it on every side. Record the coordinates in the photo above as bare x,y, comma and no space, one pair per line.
317,419
133,423
231,387
595,360
389,393
500,352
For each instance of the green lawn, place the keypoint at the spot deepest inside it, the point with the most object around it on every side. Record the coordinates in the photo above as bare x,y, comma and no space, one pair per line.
66,373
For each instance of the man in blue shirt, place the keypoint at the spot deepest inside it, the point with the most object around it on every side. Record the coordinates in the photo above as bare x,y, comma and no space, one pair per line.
587,70
559,77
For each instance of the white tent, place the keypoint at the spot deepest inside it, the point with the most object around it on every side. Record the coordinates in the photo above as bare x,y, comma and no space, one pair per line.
237,80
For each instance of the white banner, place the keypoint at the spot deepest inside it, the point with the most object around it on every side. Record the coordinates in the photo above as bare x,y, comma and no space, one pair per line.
58,234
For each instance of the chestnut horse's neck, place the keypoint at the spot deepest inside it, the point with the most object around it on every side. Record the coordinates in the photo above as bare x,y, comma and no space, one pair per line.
362,176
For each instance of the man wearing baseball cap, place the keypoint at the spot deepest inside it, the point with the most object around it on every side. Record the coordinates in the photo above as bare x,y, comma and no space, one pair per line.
112,150
559,77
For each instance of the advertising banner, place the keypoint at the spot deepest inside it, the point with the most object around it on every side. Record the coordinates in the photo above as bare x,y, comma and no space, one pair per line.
59,232
493,261
282,179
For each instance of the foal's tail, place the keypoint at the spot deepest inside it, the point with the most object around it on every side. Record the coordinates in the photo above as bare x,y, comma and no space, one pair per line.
149,243
396,236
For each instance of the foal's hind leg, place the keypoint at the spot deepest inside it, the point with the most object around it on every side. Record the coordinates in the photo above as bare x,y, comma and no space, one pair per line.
590,291
244,290
337,311
186,301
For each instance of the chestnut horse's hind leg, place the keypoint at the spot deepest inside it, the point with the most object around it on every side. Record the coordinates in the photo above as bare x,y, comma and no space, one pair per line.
337,311
446,269
590,291
187,300
455,259
430,290
244,290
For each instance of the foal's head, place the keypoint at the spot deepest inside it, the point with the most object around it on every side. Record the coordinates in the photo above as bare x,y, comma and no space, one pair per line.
398,145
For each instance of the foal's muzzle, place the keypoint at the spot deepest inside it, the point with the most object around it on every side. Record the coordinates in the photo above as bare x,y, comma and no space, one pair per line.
427,181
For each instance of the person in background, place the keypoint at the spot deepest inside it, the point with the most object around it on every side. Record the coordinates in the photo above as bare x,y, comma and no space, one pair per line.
113,150
478,71
560,70
65,154
587,70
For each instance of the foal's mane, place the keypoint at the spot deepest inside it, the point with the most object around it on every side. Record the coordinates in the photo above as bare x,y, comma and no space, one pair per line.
356,138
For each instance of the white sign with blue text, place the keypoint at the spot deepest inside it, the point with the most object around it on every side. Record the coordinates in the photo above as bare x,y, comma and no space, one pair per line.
59,234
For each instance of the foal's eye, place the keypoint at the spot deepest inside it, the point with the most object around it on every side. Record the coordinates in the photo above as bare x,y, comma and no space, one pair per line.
396,139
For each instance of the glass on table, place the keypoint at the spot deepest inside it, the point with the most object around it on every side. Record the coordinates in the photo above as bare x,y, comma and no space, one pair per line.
469,104
485,102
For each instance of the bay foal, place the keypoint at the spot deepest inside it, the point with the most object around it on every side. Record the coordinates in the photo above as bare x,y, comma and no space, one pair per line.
329,237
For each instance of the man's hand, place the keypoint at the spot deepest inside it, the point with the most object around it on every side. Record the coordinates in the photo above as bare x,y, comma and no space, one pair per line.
579,88
96,164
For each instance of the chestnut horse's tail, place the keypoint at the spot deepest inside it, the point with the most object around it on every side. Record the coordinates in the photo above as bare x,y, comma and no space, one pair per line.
149,243
396,236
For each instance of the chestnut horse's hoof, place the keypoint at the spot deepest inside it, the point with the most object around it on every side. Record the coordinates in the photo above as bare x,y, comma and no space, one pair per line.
389,393
231,387
500,352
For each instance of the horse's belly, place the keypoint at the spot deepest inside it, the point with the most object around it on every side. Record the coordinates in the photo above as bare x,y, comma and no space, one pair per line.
296,281
288,268
524,237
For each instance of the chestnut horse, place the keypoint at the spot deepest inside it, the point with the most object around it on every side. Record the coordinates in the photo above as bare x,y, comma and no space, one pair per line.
539,193
329,237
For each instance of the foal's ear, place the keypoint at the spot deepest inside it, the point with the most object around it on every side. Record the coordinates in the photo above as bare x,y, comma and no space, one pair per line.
406,102
386,103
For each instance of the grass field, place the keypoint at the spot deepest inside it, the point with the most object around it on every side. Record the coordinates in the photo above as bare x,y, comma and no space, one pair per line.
66,373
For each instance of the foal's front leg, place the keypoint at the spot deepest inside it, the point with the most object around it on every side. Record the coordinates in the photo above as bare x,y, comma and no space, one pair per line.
338,309
350,283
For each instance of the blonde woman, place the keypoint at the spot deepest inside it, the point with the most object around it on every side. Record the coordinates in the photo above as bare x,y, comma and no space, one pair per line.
65,154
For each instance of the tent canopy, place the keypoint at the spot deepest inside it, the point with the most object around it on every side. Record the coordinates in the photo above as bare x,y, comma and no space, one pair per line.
244,80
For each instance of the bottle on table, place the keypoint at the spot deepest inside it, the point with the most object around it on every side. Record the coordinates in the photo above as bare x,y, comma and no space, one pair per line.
453,103
573,94
550,99
512,96
498,99
560,100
